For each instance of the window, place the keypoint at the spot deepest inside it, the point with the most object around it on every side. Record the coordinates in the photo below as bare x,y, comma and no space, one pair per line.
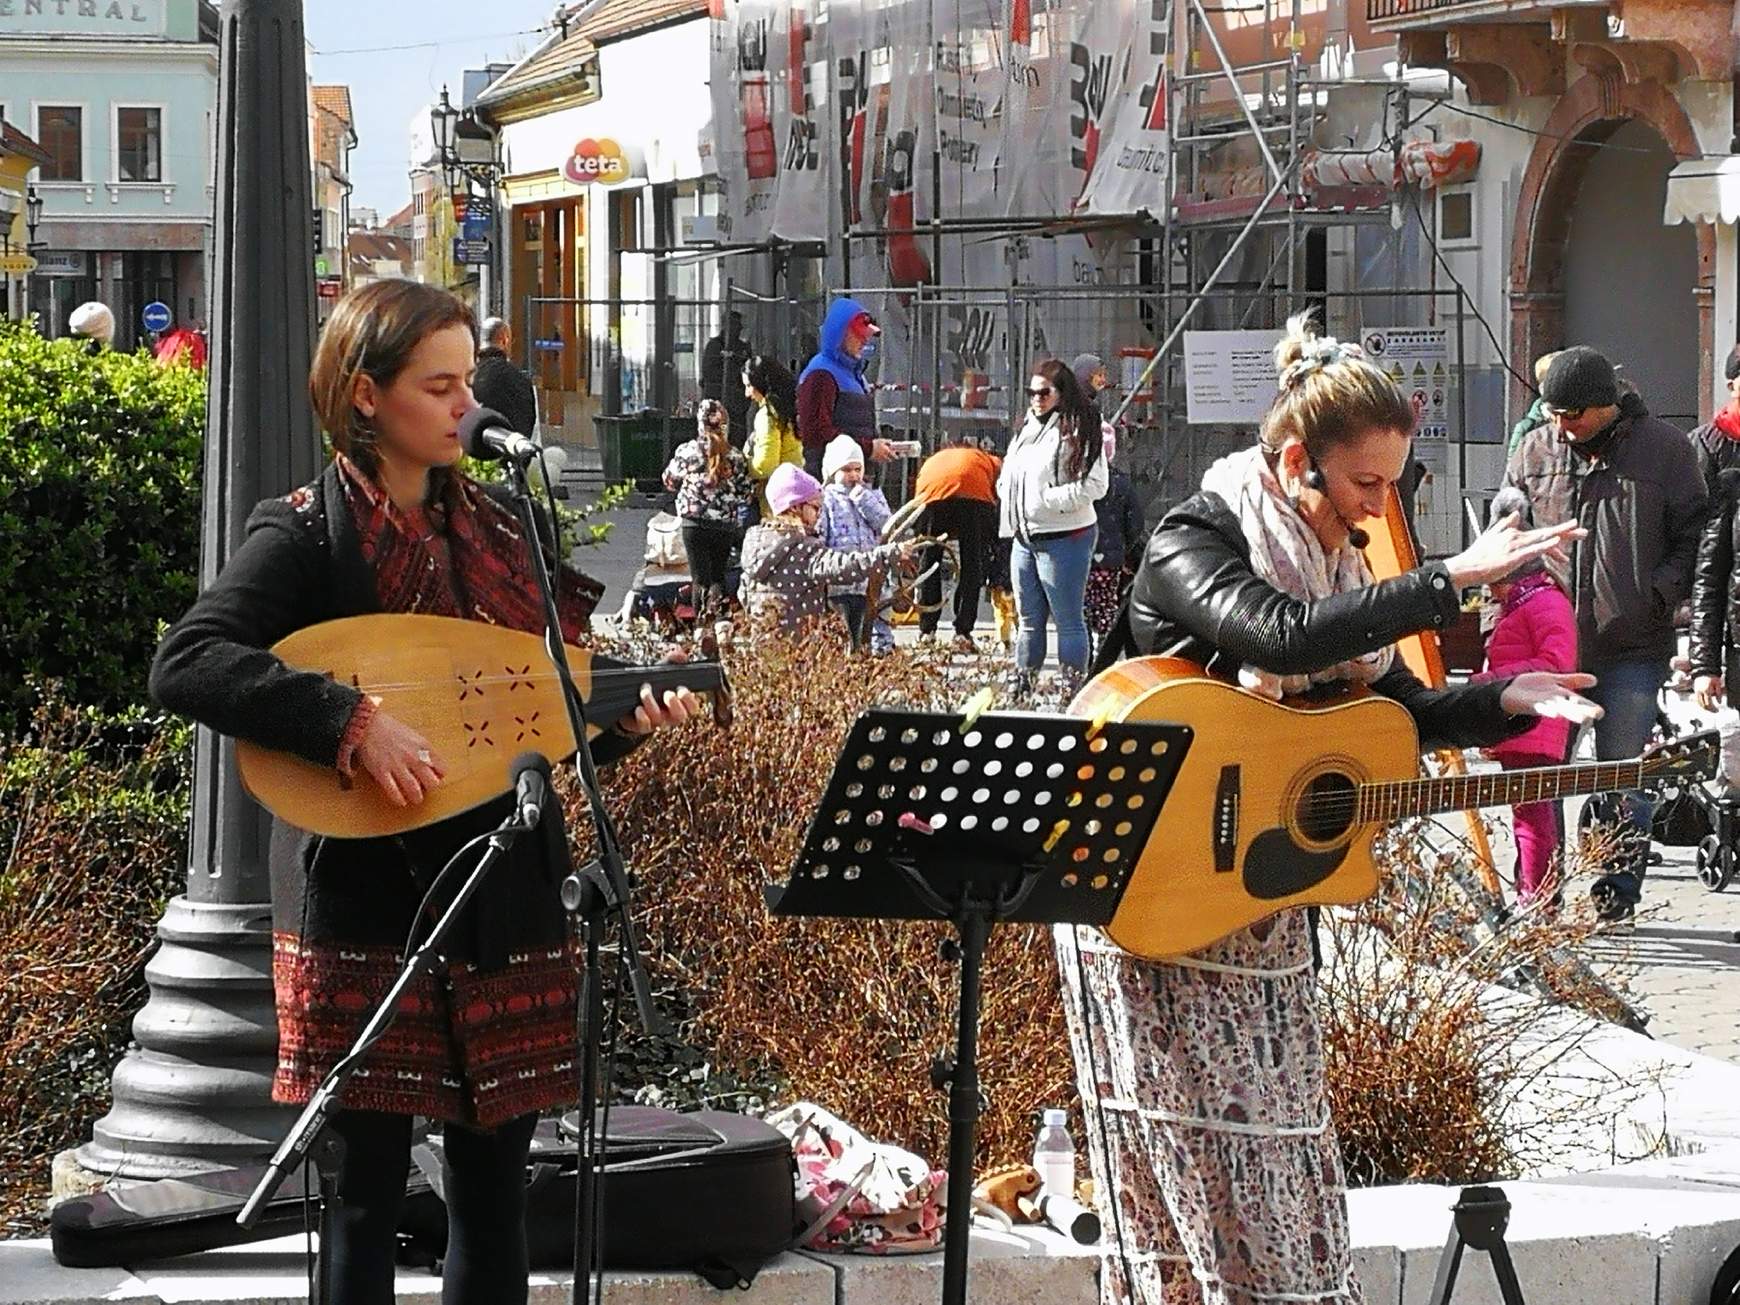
139,144
60,130
1456,216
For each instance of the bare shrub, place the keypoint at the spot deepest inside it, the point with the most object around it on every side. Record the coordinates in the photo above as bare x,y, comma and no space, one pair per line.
847,1013
93,818
1434,1075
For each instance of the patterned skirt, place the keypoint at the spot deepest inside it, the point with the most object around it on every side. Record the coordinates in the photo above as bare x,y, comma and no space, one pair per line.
1208,1129
469,1046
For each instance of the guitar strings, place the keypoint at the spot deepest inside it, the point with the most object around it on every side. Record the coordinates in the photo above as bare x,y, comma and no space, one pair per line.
1343,804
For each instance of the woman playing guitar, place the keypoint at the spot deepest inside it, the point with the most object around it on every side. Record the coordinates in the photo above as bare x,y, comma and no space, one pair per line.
391,525
1202,1079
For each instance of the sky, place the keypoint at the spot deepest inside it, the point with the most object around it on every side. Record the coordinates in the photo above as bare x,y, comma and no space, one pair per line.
430,43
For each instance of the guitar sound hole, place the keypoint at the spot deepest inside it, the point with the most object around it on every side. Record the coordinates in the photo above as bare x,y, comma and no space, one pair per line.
1327,808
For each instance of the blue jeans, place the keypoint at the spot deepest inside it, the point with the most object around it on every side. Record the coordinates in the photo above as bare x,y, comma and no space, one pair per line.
1627,693
1051,582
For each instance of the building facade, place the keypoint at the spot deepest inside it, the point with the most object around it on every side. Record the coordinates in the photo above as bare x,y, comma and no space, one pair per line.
19,158
332,136
122,96
599,178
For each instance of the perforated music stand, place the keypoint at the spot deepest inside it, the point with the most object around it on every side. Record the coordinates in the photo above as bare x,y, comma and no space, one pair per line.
1016,818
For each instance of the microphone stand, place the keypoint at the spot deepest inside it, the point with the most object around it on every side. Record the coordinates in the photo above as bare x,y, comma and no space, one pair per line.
309,1135
591,894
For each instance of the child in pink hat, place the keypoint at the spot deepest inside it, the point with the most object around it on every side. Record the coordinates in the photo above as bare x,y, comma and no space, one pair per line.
786,567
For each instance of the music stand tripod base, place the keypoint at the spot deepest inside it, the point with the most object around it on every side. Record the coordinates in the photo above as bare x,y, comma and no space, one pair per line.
1011,818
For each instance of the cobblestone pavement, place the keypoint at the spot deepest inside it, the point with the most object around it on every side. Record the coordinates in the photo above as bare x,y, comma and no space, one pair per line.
1684,953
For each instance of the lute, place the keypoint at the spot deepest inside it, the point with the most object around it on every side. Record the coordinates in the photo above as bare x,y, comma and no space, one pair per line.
1277,805
481,694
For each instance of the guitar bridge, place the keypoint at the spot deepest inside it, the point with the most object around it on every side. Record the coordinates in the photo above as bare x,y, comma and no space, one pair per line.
1226,819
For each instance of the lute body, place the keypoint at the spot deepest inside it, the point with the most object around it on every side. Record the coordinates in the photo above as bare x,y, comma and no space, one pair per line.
481,694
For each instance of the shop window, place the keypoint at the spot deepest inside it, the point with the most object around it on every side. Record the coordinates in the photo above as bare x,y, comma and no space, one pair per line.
139,144
532,227
625,218
60,129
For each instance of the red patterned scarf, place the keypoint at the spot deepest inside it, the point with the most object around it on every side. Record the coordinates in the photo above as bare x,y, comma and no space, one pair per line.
461,554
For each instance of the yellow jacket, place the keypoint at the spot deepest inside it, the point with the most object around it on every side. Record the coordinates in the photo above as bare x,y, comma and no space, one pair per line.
771,443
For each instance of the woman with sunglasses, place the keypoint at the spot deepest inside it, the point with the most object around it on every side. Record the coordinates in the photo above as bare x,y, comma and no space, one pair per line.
1052,475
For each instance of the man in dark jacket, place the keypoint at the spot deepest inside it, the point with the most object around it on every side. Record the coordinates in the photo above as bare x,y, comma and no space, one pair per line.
1635,485
1715,642
722,361
497,383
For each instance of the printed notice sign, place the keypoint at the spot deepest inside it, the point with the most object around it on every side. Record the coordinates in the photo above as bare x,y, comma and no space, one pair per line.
1229,376
1417,359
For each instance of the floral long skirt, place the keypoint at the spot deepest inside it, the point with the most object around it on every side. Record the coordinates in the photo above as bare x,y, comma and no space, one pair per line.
1214,1160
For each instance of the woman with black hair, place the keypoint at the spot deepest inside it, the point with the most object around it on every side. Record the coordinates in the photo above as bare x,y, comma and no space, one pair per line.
1052,475
774,438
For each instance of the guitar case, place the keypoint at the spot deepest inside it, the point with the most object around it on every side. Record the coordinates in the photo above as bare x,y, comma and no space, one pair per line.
710,1192
136,1220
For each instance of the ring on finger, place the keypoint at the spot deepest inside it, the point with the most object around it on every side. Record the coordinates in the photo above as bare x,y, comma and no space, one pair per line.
425,756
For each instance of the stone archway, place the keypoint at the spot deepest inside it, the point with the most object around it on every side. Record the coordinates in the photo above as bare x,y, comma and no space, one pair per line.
1589,113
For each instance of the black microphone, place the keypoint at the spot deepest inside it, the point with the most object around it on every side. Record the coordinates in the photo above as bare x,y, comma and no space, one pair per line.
486,435
531,772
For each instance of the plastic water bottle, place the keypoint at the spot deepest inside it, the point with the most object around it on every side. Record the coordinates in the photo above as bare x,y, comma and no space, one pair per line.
1054,1155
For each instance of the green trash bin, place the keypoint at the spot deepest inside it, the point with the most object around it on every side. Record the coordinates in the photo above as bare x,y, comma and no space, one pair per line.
632,446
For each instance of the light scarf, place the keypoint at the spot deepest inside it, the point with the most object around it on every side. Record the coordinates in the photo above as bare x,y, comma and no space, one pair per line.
1286,552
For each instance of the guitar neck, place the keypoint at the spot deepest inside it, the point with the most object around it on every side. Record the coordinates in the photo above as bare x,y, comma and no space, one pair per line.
1380,803
616,689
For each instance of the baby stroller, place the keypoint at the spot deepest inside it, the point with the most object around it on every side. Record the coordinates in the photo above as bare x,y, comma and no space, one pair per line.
662,594
1704,815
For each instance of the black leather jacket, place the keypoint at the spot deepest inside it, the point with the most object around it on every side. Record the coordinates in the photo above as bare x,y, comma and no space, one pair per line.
1196,597
1715,641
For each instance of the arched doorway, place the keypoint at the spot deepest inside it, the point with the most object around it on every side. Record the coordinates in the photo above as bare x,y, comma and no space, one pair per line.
1591,262
1629,278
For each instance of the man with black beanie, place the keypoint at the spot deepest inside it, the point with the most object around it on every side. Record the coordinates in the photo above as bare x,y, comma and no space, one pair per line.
1635,485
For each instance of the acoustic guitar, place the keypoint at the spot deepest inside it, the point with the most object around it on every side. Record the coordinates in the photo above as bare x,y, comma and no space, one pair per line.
481,694
1277,804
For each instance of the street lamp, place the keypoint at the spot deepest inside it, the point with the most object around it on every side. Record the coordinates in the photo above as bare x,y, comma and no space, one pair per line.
32,216
444,118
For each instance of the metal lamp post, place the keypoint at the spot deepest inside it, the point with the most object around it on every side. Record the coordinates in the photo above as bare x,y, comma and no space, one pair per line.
195,1091
32,215
466,149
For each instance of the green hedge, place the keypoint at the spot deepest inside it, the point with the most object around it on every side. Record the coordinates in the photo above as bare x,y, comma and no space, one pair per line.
99,516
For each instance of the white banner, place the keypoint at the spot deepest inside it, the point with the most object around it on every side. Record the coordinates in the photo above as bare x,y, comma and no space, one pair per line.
801,197
1129,172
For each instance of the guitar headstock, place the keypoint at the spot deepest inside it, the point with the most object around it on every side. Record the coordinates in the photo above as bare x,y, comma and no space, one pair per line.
1684,761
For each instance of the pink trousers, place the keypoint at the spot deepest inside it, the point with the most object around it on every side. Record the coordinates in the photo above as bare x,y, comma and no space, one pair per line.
1540,828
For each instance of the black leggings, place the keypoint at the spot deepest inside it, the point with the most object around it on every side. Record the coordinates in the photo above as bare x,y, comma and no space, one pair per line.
709,551
486,1210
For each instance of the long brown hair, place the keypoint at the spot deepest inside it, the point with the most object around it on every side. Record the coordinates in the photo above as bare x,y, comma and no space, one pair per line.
1078,421
712,435
372,332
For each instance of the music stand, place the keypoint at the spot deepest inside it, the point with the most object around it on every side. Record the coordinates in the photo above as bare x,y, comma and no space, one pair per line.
1009,818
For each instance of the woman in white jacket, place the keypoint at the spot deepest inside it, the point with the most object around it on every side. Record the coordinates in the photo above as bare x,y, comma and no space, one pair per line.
1052,475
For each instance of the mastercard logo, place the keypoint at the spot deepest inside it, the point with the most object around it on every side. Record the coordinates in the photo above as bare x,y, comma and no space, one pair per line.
600,160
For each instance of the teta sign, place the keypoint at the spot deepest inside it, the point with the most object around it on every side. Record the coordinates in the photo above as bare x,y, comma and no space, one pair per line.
599,160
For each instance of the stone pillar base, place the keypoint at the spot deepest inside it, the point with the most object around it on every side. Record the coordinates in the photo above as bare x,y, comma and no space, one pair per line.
195,1093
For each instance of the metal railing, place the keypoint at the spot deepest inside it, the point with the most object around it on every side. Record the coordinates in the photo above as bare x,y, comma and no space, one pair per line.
1376,10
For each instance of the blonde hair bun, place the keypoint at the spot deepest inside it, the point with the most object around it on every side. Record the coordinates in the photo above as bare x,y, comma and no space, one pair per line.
1329,391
